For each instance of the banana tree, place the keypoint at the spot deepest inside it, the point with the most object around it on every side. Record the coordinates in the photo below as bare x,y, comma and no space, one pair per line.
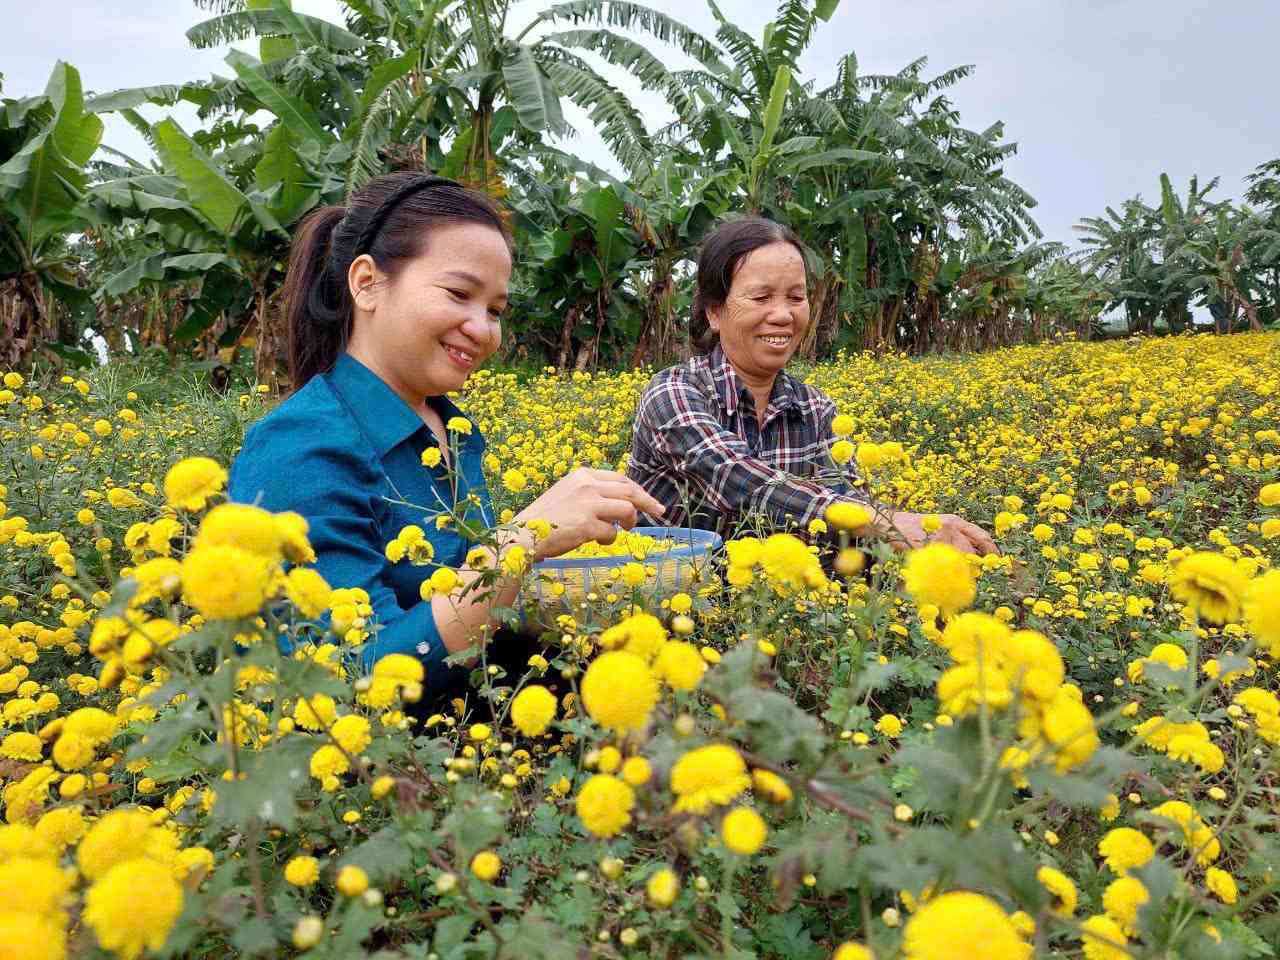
219,211
1217,256
671,209
1262,246
456,68
895,175
45,143
227,232
1118,248
578,248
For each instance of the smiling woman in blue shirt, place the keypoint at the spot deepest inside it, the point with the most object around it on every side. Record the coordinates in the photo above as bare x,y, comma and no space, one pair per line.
391,302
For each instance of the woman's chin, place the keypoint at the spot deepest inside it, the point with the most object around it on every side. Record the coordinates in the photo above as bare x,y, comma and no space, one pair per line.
773,360
445,377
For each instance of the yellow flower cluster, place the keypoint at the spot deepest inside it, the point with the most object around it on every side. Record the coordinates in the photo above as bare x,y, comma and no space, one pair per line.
638,546
786,563
123,852
1138,523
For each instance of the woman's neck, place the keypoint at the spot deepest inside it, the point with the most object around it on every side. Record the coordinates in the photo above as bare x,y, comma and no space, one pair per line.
761,388
417,402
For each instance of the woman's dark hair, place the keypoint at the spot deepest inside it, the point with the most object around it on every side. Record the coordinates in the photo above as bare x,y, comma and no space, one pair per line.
390,218
722,253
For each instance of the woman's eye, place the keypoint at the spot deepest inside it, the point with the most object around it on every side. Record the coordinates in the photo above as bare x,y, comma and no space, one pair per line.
761,299
460,294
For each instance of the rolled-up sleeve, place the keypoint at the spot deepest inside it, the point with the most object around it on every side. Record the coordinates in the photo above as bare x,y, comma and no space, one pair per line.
286,465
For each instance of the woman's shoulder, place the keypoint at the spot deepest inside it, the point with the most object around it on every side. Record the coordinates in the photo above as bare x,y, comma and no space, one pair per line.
689,375
309,440
810,397
312,415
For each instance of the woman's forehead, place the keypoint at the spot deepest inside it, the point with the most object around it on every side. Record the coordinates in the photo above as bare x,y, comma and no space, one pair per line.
774,262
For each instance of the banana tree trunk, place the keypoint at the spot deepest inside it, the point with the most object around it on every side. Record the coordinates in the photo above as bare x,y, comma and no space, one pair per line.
566,336
657,332
25,322
826,314
271,337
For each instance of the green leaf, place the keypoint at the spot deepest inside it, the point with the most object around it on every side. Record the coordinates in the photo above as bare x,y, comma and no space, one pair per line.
370,125
385,856
243,24
254,936
605,208
281,174
200,262
840,155
773,109
42,182
210,191
148,268
451,931
125,99
825,8
293,113
536,103
269,789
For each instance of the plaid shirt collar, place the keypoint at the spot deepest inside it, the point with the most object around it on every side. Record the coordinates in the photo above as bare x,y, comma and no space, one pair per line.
730,388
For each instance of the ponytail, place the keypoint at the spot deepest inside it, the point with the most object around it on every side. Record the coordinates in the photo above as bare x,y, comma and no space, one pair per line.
317,303
390,219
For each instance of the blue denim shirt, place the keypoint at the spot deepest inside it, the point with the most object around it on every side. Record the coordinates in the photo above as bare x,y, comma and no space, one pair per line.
346,452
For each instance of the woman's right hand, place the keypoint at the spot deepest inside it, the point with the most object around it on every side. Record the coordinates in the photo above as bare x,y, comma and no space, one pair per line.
587,504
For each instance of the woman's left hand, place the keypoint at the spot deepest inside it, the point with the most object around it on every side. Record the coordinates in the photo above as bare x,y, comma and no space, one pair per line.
907,531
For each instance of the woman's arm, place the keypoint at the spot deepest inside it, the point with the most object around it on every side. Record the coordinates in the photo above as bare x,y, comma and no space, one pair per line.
585,505
336,491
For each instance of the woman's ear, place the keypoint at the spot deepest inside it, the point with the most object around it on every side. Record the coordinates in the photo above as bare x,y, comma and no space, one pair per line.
713,317
362,276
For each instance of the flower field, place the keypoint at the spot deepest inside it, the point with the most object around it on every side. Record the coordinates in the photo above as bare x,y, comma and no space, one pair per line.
1067,749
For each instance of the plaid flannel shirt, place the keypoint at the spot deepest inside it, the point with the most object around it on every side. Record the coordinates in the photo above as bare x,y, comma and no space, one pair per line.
699,449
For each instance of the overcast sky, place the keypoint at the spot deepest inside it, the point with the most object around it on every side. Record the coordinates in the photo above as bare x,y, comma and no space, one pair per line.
1100,95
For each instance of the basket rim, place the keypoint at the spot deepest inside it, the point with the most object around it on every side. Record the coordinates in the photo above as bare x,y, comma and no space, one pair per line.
700,544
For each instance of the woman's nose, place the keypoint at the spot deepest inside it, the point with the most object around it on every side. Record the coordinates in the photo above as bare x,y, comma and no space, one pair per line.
481,328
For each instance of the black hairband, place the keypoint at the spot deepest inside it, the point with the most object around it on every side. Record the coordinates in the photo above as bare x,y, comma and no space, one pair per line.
370,232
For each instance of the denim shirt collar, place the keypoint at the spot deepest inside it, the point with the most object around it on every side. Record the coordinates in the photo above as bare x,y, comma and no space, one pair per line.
729,386
382,416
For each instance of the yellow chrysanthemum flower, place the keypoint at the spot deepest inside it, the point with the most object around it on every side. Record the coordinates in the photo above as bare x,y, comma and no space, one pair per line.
1211,584
960,926
707,776
939,575
191,482
533,709
619,691
126,923
743,831
604,805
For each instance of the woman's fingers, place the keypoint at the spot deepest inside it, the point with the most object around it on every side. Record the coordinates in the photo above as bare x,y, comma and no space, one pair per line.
600,531
617,510
620,488
953,536
978,537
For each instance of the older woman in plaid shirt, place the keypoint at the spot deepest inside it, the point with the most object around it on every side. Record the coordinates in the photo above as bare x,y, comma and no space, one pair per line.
729,434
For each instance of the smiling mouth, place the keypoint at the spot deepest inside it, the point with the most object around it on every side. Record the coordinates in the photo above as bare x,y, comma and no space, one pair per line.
460,356
778,340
